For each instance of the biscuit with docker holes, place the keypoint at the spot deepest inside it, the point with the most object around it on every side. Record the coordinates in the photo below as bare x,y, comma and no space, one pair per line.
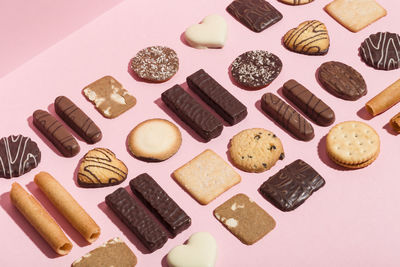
154,140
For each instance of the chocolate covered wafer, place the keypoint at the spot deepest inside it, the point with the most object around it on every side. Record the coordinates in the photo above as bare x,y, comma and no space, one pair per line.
384,100
56,133
217,97
192,113
136,219
77,120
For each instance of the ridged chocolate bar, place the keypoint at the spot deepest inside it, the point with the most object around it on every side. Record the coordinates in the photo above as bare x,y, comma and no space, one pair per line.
287,117
192,113
160,203
136,219
77,120
311,105
56,133
292,185
217,97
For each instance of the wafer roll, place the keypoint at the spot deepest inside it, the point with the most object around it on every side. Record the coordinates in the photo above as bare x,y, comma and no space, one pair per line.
40,219
395,123
384,100
68,206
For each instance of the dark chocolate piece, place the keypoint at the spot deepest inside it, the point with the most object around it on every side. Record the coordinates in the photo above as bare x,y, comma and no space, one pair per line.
287,117
311,105
192,113
136,219
292,185
77,120
18,155
257,15
56,133
342,80
160,203
217,97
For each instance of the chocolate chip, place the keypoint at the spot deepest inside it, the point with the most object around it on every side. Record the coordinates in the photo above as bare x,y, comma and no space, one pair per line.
265,165
273,147
282,156
257,137
242,157
274,136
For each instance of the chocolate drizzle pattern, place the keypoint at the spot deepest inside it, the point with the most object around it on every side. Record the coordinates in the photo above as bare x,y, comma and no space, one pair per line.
381,51
287,117
18,155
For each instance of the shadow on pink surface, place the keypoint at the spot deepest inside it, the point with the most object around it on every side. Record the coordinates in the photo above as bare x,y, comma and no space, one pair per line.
323,156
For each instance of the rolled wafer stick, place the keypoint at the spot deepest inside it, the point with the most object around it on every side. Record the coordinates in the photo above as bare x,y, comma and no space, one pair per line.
68,206
384,100
395,123
40,219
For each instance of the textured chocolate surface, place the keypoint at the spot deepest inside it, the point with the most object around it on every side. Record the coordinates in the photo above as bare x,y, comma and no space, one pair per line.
192,113
311,105
77,120
257,15
216,96
56,133
160,203
136,219
292,185
342,80
18,155
381,51
287,117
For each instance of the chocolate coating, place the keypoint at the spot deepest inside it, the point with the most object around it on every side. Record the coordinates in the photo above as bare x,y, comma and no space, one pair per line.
311,105
287,117
56,133
216,96
77,120
342,80
205,124
136,219
292,185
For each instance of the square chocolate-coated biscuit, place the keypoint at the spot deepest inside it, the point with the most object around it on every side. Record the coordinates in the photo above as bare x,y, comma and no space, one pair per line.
292,185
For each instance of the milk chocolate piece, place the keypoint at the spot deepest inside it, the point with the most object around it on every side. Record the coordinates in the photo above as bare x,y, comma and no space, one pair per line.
160,203
192,113
292,185
287,117
77,120
56,133
217,97
136,219
311,105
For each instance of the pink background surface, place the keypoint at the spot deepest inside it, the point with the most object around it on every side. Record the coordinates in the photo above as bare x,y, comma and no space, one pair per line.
351,221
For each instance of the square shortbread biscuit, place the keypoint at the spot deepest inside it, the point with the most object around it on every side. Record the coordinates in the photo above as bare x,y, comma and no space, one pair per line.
355,15
206,176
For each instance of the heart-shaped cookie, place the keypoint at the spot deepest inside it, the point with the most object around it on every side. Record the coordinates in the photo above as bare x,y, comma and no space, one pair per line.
211,33
200,251
310,37
100,168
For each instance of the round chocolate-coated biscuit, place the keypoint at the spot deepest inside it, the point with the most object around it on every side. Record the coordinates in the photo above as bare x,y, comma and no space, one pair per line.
256,69
155,63
18,155
342,80
381,51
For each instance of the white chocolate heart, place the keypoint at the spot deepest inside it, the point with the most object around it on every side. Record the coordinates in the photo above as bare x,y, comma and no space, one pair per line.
211,32
200,251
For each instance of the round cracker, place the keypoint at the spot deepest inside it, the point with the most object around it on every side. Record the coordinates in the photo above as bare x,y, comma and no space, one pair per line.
357,166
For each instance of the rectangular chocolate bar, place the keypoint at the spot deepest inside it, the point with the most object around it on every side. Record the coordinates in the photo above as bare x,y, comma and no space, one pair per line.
160,203
217,97
192,113
136,219
292,185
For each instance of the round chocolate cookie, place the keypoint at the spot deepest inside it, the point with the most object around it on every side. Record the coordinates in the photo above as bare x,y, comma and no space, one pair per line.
342,80
256,69
155,63
381,51
18,155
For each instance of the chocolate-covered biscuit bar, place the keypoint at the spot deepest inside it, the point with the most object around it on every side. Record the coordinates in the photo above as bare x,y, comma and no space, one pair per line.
56,133
287,117
77,120
192,113
160,203
311,105
217,97
136,219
